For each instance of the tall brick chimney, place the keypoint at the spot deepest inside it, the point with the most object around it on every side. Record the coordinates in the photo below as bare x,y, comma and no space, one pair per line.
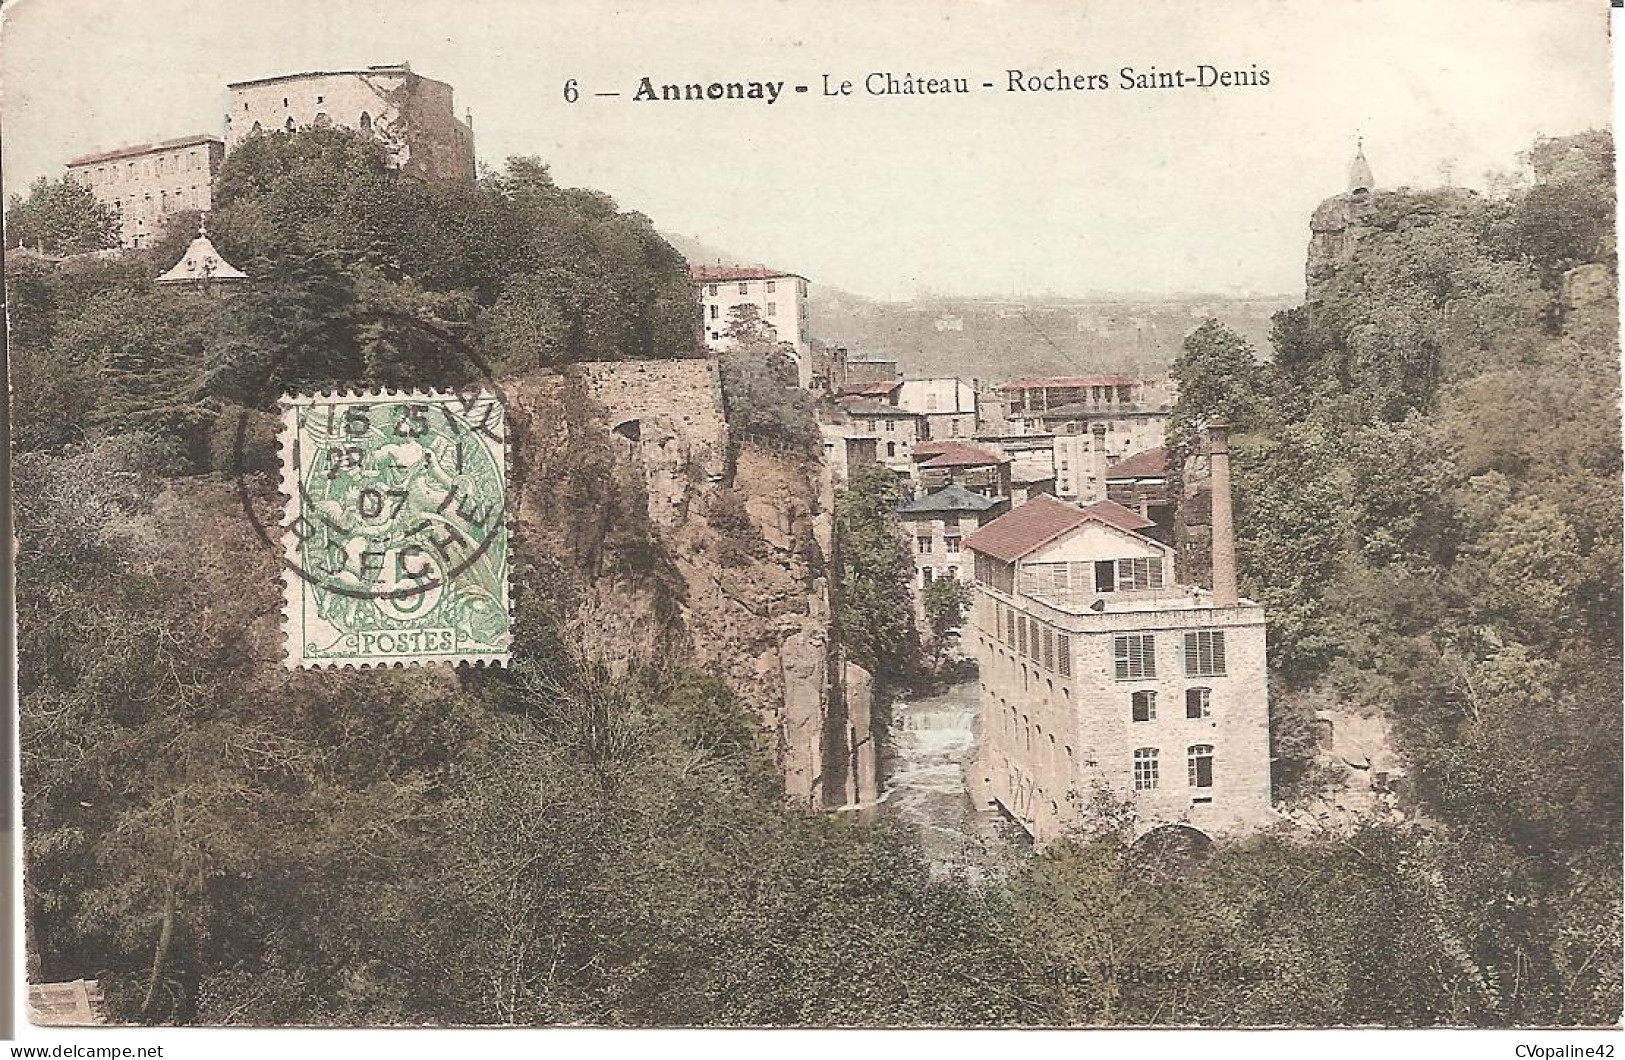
1097,456
1224,523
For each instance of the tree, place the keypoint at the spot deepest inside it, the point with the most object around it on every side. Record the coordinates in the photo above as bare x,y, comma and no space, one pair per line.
945,600
60,217
874,603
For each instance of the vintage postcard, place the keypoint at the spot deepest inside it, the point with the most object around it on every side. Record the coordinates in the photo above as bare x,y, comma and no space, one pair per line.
742,514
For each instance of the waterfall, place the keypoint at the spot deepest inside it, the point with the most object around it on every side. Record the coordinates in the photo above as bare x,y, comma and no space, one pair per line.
932,740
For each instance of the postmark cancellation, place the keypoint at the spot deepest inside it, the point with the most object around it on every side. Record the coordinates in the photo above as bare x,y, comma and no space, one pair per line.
395,537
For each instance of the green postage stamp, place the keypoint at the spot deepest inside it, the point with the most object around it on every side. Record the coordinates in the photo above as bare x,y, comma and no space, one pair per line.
395,536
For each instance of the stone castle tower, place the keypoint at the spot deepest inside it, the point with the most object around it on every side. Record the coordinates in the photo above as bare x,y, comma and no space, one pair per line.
1338,223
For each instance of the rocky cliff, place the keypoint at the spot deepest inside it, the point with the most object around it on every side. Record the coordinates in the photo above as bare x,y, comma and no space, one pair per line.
657,537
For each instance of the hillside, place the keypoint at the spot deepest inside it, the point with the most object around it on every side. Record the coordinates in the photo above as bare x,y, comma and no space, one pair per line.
998,338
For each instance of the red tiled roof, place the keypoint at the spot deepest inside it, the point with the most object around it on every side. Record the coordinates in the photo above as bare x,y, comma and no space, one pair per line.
1070,380
957,454
1114,514
869,389
1023,530
1153,463
141,149
729,273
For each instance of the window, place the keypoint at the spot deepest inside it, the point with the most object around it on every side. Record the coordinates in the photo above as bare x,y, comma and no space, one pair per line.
891,425
714,311
771,287
1063,654
953,428
1135,655
925,546
1204,653
1145,768
744,288
952,544
1201,765
1021,636
1106,576
1198,702
891,448
713,290
1144,705
318,99
772,309
366,122
284,101
289,125
1048,654
1143,572
926,576
716,334
953,572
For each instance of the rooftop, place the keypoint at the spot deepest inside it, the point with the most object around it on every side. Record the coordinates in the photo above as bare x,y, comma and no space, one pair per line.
861,407
383,68
730,273
1070,381
869,389
144,149
949,499
1153,463
1025,529
1086,409
956,454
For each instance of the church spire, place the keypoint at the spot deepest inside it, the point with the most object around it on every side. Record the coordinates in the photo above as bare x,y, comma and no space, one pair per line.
1360,178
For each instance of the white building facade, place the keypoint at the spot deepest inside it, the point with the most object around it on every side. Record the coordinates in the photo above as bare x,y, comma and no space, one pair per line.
1100,673
780,301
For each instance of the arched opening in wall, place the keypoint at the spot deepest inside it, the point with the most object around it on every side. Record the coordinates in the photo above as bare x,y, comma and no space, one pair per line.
257,128
1173,847
289,125
322,121
631,430
365,124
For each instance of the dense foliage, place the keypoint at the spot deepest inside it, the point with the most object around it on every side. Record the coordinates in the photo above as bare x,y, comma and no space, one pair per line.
1427,487
1427,478
874,605
60,217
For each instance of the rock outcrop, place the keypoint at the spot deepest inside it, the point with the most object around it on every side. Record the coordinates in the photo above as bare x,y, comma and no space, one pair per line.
660,542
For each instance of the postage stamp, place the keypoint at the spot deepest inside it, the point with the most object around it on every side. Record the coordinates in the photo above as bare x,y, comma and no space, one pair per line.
395,535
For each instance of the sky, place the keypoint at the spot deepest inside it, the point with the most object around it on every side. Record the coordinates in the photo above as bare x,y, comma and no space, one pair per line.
1066,193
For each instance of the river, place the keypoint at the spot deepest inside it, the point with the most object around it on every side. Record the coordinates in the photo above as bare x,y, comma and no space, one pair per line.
931,742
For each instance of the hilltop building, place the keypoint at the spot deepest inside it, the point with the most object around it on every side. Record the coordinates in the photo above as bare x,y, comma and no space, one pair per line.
146,184
1098,669
780,301
411,115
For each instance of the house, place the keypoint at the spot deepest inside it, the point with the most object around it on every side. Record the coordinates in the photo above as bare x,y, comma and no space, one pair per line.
779,299
949,405
148,183
1099,670
895,431
1140,484
943,463
937,524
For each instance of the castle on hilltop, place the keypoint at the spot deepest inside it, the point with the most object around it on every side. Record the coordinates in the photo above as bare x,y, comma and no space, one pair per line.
410,115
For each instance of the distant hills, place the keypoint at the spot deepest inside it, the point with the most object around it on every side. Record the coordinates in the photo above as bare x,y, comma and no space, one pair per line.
1003,338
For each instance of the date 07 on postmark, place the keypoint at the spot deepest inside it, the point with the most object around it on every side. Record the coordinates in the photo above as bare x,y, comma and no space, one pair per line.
395,535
